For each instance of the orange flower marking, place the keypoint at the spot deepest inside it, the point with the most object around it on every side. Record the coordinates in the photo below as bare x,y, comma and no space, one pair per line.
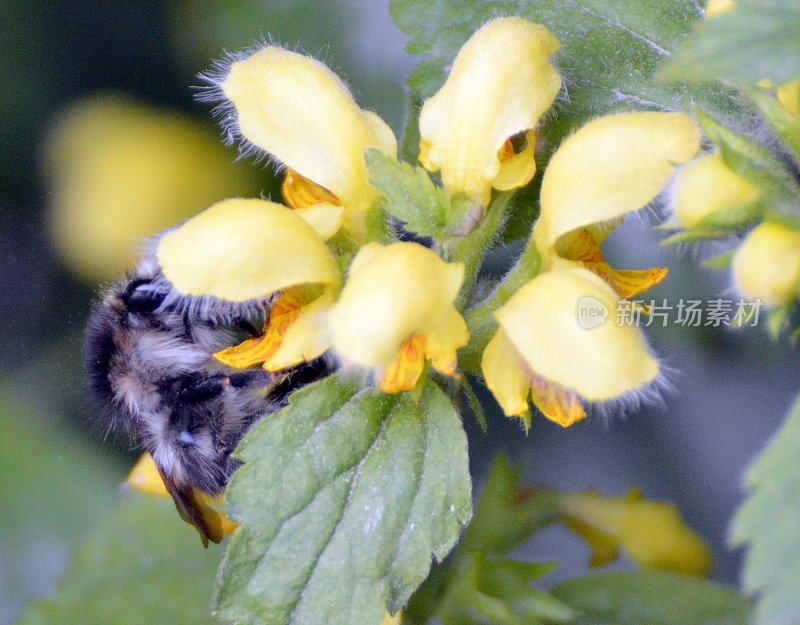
300,192
403,373
283,312
556,403
584,247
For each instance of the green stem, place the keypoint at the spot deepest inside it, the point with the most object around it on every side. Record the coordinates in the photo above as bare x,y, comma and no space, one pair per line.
479,318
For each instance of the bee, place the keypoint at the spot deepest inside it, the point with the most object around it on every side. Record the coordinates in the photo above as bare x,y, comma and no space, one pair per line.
149,362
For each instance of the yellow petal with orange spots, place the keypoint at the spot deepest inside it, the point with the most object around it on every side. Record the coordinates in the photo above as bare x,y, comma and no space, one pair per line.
593,357
405,371
556,403
305,337
613,165
296,109
300,192
392,293
506,375
501,83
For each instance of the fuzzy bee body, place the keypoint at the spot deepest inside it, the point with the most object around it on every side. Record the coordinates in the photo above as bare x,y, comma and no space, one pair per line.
152,368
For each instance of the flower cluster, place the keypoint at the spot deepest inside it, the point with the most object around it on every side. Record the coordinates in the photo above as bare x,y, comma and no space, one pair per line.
747,193
402,308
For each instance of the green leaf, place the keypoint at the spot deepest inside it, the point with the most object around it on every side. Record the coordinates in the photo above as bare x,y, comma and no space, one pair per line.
503,519
609,57
343,498
143,565
410,194
479,584
758,39
768,524
647,598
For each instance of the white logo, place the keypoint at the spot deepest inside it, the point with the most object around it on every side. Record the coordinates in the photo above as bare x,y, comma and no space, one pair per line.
591,312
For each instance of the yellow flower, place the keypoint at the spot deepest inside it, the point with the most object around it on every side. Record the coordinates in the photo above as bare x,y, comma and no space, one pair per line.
145,477
396,310
651,533
388,619
478,129
610,167
703,186
545,348
119,170
714,8
299,112
767,264
788,95
241,253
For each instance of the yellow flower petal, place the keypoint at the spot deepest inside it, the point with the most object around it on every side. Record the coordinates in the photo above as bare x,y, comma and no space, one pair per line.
506,375
652,533
612,166
715,8
397,619
297,110
392,294
326,219
145,477
118,171
703,186
240,250
444,339
788,95
501,83
283,312
293,334
767,264
600,360
300,192
306,338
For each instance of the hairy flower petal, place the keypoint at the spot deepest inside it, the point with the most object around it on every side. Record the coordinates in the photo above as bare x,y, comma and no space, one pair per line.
395,293
610,167
703,186
244,249
599,361
766,265
294,108
501,83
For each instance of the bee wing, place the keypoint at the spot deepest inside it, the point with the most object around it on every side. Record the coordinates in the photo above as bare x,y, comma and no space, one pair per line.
194,510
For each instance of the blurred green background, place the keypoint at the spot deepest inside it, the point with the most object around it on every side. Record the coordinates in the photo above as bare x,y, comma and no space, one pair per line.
103,143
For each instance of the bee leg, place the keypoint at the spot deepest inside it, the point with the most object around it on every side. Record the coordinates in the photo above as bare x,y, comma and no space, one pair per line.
246,378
